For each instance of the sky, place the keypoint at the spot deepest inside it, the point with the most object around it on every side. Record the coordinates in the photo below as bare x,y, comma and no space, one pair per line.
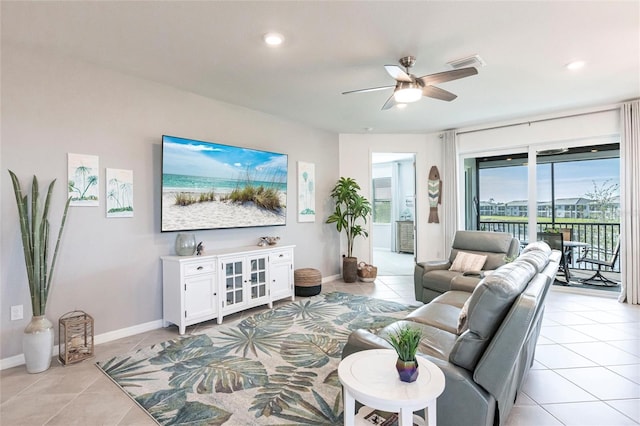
573,179
195,158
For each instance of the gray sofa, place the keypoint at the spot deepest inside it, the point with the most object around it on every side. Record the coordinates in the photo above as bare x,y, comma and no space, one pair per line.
433,278
484,364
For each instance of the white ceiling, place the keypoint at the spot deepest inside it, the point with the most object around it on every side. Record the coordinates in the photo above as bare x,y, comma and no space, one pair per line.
215,49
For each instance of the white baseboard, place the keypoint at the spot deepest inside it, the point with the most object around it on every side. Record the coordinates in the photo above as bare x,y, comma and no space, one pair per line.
331,278
126,332
110,336
12,361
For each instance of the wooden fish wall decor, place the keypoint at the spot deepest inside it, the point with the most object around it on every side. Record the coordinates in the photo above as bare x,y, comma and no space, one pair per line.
434,189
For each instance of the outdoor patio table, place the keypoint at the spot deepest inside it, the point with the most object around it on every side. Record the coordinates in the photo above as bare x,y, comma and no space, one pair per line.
569,246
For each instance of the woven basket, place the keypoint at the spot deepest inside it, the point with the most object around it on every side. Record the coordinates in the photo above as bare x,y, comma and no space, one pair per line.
366,272
307,277
308,282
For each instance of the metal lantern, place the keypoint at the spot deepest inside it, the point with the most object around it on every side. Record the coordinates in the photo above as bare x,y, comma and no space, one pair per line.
76,337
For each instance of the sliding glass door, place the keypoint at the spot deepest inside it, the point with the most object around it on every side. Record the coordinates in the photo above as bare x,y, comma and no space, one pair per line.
577,193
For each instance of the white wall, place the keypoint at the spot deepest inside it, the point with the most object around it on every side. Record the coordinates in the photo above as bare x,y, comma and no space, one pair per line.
110,268
596,125
381,235
406,186
355,162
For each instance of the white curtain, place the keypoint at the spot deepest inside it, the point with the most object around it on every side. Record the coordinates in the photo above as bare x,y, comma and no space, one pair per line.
630,202
449,187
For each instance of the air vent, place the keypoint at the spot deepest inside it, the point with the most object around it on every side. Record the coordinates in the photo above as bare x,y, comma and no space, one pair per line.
469,61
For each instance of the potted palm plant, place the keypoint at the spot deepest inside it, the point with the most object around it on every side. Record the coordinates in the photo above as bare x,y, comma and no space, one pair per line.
351,209
35,229
405,341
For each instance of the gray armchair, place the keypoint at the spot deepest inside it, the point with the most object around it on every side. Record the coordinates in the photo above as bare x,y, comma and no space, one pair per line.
432,278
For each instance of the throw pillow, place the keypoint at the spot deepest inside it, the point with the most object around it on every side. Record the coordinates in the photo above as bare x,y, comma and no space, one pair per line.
465,262
462,319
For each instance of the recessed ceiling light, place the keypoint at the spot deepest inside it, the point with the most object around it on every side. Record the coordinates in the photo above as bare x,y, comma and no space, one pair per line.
273,39
575,65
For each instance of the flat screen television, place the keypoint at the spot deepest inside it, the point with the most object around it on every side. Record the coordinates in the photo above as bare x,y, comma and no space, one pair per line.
208,185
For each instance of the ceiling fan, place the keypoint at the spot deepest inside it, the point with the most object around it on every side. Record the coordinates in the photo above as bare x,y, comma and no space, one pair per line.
409,88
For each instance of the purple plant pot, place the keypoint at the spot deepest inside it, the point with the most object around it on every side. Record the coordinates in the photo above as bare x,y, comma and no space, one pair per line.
408,370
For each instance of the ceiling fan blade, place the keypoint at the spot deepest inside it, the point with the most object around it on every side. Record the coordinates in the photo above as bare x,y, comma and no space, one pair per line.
438,93
391,102
441,77
397,73
371,89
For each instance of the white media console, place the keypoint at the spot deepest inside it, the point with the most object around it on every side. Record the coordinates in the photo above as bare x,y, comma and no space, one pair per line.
201,288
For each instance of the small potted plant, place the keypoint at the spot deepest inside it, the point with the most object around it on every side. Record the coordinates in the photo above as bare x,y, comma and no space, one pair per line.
405,341
351,207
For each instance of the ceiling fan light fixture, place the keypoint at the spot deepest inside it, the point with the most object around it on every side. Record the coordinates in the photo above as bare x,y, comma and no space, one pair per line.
407,92
409,88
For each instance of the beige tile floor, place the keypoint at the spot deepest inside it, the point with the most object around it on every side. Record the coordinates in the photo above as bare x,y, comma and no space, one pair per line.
587,369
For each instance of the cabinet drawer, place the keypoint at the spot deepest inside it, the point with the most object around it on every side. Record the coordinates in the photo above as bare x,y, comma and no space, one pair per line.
195,268
281,256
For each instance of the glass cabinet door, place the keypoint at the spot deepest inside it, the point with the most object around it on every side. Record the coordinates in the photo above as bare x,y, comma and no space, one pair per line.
233,282
258,277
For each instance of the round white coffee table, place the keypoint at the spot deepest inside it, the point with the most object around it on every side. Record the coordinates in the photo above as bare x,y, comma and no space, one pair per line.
370,377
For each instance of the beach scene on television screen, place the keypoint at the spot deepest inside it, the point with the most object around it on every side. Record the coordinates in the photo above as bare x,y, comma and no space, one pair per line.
207,186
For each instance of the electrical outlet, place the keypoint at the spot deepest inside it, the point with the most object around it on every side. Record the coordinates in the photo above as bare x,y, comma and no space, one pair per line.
16,313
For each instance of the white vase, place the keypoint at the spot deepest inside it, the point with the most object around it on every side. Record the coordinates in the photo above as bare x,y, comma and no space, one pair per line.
37,344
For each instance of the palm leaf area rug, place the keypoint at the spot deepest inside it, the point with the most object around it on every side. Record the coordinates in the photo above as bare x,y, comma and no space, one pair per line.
278,366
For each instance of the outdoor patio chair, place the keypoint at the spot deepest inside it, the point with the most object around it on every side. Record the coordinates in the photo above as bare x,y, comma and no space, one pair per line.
609,263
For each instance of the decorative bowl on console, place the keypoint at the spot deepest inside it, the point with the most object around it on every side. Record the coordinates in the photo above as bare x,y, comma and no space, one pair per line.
272,241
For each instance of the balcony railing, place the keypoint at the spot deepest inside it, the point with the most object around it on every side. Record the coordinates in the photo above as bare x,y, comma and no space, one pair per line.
601,238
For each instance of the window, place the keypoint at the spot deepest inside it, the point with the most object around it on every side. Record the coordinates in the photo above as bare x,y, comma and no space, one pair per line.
502,193
577,192
382,200
579,183
580,187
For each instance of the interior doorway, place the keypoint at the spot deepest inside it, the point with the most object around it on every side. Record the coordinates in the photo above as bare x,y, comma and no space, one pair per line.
393,198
